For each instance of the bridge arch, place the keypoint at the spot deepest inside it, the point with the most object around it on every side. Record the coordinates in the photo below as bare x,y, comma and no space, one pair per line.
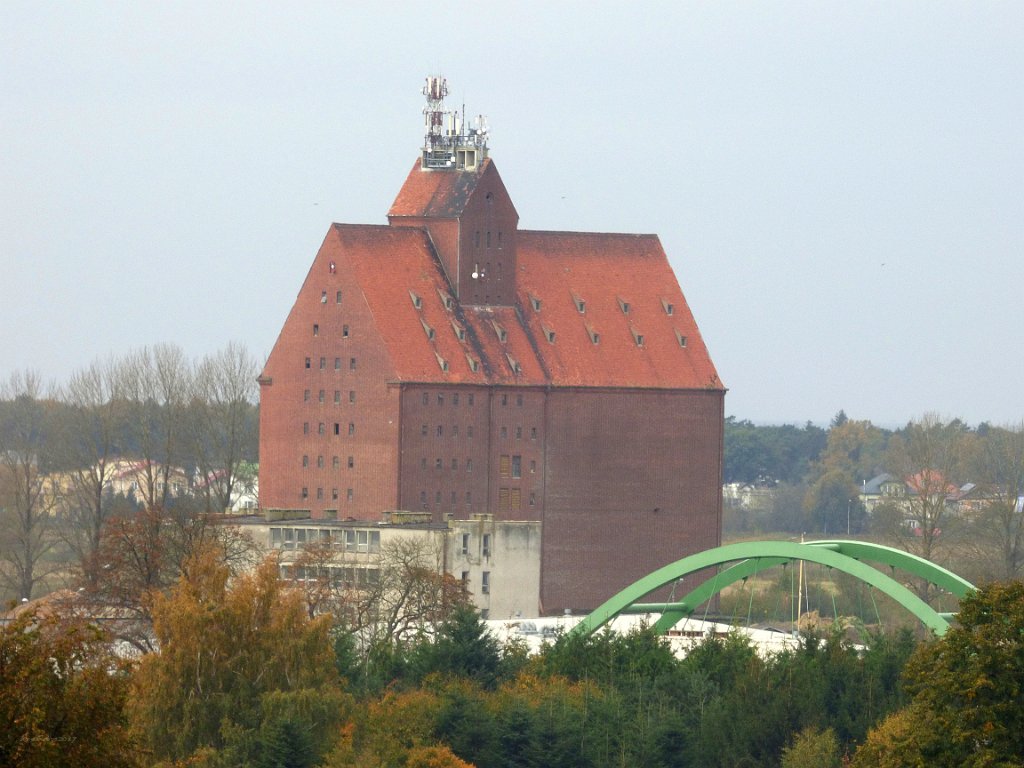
754,556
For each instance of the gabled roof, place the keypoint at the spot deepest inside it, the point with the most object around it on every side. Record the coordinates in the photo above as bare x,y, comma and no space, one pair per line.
440,193
635,329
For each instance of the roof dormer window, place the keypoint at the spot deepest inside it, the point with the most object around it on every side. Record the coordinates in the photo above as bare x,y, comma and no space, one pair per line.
474,364
442,362
514,364
499,331
446,298
427,329
680,338
595,337
460,332
416,301
668,307
549,333
581,305
623,305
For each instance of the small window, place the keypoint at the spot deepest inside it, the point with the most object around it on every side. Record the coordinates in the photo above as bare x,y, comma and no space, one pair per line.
332,267
549,334
460,332
455,430
438,464
351,428
320,396
533,466
473,364
337,428
471,399
337,397
517,466
351,396
349,494
427,329
426,398
440,430
336,462
337,363
595,337
485,583
305,492
513,364
309,362
499,331
323,297
519,433
623,305
351,462
504,433
320,494
535,302
305,427
469,465
323,363
519,400
465,551
504,465
486,546
416,301
305,395
442,363
440,399
305,461
316,329
455,399
667,306
504,399
337,298
446,299
334,494
351,363
638,337
581,305
533,499
423,430
319,462
321,428
681,339
344,331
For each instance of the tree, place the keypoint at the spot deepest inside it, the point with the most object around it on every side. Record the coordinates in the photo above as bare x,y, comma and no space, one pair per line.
966,689
62,695
26,501
832,504
90,442
463,647
927,456
812,748
235,665
999,468
223,422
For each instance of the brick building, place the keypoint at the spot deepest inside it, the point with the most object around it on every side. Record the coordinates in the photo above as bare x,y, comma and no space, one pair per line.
450,362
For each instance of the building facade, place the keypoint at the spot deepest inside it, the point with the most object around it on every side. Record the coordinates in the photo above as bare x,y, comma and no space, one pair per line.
449,362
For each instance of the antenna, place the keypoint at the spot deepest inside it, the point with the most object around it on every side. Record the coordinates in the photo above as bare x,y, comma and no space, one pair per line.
448,142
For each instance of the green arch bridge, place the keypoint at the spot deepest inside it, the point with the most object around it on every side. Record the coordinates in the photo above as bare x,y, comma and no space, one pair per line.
749,558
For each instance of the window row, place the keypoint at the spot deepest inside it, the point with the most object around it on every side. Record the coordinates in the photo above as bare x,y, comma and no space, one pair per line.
347,540
316,331
485,545
453,398
440,464
503,431
335,463
323,293
336,575
512,465
321,428
485,587
307,396
349,494
438,499
511,499
337,363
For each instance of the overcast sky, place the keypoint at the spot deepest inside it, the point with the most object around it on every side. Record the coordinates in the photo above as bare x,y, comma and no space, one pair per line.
839,186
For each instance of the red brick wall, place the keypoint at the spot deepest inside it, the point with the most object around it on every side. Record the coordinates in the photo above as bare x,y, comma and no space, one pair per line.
633,483
488,243
284,409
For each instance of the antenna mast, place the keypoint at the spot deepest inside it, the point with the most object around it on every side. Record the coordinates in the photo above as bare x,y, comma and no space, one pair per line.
447,143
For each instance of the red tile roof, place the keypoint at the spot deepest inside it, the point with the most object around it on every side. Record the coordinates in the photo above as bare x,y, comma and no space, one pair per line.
438,193
624,281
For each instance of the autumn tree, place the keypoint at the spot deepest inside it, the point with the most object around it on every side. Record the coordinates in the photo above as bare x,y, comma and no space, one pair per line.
928,455
999,473
26,500
62,695
239,669
966,689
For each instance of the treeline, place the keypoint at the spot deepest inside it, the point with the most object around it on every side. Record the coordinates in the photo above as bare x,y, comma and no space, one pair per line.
959,486
244,675
180,432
